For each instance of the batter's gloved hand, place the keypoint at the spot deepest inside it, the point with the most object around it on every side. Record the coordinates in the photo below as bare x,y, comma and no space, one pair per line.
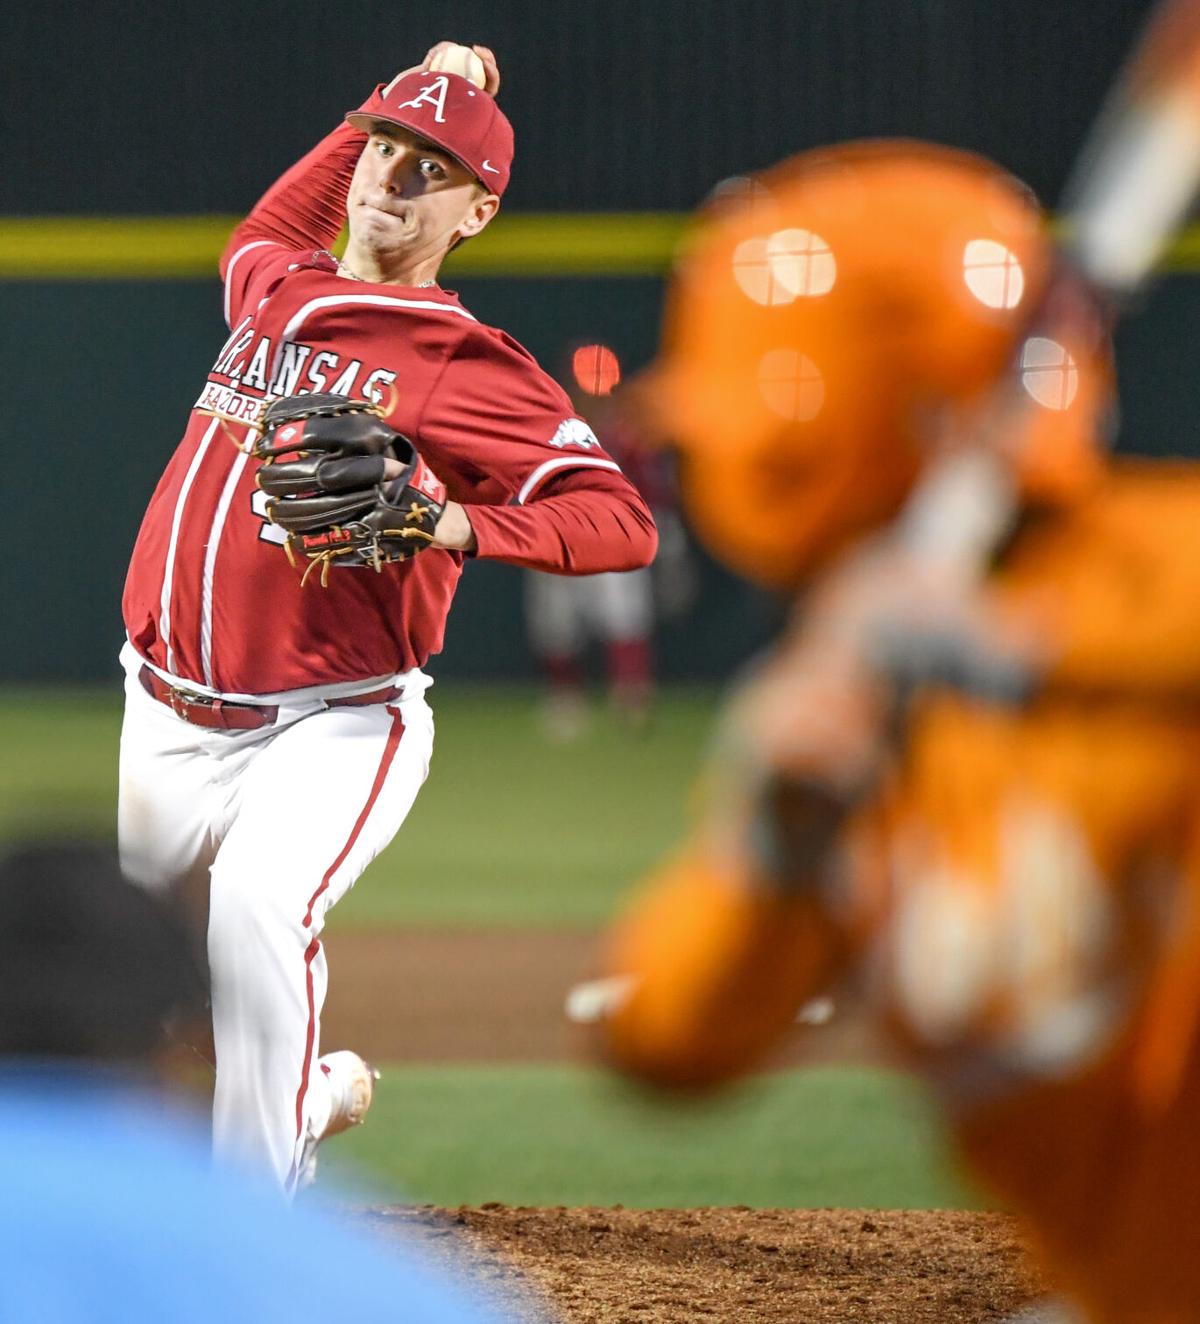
325,465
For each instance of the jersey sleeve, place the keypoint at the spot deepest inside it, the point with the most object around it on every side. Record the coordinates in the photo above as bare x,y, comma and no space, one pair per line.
496,427
579,522
304,209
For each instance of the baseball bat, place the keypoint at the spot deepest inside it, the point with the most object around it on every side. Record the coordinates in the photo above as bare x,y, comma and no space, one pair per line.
1139,171
1129,193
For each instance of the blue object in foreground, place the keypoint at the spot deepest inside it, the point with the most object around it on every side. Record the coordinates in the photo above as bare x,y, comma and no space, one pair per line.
113,1211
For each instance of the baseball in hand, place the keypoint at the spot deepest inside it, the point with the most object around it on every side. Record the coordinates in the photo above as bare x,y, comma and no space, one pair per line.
460,60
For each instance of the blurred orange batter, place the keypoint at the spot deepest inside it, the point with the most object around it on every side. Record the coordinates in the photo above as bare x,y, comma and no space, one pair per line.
1015,874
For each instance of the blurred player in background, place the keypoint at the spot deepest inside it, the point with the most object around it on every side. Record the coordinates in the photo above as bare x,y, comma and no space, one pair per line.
616,610
970,769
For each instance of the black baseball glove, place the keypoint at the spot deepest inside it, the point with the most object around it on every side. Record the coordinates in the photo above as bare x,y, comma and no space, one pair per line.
323,470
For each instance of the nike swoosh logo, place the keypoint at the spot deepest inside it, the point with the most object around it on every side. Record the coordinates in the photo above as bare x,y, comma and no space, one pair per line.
488,166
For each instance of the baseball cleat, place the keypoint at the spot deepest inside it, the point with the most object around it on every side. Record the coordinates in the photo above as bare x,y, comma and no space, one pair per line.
595,1000
351,1084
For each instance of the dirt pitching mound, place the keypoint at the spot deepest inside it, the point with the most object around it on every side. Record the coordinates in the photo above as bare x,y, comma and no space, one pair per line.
492,996
626,1266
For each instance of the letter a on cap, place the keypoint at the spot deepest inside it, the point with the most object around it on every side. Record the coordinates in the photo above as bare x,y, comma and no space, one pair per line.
433,94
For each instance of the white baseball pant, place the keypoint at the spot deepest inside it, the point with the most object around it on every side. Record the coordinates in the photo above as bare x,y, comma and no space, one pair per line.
284,819
564,611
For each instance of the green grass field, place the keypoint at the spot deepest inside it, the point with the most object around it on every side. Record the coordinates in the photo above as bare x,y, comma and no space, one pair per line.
560,1135
511,831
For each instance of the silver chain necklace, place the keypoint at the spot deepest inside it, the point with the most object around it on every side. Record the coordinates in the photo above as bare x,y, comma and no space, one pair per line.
353,275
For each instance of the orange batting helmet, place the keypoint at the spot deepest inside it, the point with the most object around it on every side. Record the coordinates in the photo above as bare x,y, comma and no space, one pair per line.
838,317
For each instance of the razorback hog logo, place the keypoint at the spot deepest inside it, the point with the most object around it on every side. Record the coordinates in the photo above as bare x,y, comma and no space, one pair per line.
574,432
424,480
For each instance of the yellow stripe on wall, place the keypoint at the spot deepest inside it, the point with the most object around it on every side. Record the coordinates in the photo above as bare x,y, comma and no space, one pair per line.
188,247
522,244
576,244
112,247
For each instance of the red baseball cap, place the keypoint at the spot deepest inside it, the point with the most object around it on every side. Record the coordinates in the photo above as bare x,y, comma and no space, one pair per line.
452,112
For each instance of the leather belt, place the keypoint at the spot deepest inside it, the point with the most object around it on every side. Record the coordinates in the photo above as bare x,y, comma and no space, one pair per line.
222,715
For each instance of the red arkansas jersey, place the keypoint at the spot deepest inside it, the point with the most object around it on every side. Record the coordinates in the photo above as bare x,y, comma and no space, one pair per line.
210,596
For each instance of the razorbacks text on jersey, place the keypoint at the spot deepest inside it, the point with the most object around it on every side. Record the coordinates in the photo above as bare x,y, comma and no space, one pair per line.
485,417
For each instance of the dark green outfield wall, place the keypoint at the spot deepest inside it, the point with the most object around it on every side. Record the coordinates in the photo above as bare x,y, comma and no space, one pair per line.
110,369
125,109
617,104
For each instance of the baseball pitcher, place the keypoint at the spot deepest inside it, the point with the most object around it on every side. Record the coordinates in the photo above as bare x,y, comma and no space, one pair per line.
359,437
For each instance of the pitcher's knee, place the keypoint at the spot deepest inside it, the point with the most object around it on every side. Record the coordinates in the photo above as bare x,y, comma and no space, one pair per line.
254,928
